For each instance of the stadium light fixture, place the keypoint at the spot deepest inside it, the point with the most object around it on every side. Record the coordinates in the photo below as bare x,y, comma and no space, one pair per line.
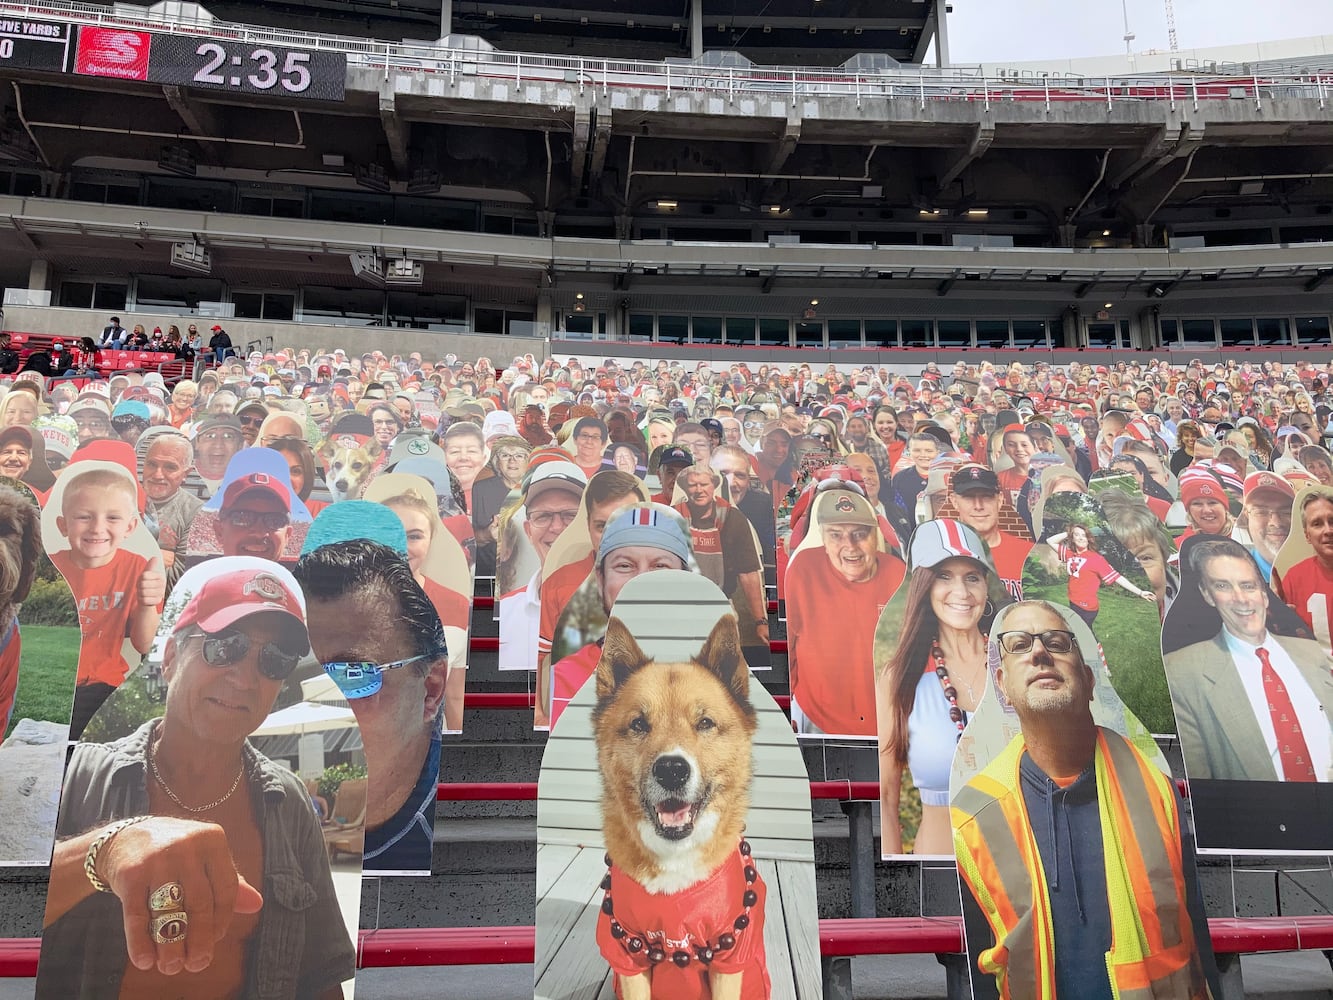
668,206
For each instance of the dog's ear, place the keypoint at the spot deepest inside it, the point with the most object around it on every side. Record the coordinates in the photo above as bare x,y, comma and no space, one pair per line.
722,655
373,448
326,450
30,549
621,657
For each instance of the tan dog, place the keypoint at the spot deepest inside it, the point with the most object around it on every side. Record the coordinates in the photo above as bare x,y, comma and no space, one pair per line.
682,917
349,469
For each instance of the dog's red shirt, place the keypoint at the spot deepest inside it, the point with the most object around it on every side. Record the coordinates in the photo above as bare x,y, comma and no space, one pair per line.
697,916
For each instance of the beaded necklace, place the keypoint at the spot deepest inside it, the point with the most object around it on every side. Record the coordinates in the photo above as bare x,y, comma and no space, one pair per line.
956,715
703,953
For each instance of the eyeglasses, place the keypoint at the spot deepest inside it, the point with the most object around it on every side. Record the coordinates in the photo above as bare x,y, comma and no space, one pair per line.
269,520
362,680
511,456
223,649
543,518
1268,513
754,424
1056,640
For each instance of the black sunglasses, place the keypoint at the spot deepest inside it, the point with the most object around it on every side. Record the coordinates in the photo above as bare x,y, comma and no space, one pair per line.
224,649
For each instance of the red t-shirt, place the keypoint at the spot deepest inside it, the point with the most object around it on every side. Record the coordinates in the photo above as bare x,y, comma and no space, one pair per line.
1012,482
556,590
106,598
831,637
452,607
1009,554
11,651
570,674
694,917
1308,588
1087,572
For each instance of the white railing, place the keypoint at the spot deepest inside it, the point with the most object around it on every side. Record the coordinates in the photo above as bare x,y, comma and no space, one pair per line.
915,83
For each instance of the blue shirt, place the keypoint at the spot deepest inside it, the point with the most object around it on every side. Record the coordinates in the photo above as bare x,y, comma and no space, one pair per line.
403,842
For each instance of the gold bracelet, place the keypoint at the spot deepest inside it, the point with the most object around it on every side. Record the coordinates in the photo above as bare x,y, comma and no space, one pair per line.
90,859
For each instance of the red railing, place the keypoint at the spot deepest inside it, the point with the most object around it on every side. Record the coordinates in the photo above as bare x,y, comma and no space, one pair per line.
436,946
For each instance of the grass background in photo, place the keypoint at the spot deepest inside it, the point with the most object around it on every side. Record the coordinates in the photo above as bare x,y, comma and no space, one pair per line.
46,673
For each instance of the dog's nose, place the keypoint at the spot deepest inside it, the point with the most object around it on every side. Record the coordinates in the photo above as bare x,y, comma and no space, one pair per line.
671,772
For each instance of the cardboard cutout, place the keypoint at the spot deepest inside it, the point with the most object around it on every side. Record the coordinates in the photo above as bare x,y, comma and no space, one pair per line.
94,534
172,819
254,512
440,567
1303,569
1118,825
930,676
36,680
386,656
1254,729
733,900
1081,564
838,581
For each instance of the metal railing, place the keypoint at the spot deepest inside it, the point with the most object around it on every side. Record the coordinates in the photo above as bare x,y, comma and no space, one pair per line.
918,83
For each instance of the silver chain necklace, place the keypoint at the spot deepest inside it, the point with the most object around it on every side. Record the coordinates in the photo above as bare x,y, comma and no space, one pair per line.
157,776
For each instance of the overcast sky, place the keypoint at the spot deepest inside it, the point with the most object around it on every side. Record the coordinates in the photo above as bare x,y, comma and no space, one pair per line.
992,30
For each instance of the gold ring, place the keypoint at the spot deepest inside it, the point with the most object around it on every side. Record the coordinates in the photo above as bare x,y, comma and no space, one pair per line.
166,897
169,927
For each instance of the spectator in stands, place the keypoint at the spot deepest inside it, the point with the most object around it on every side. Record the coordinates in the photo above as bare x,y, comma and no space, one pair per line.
387,423
114,335
194,340
733,463
9,358
589,441
219,344
696,439
129,419
670,462
922,450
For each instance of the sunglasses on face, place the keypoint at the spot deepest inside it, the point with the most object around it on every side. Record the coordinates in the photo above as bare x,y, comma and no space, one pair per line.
251,420
223,649
268,520
1055,640
362,680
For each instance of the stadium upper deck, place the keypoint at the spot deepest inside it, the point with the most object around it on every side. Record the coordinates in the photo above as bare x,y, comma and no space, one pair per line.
580,197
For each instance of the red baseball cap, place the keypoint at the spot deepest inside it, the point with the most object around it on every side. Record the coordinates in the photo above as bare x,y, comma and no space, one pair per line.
257,481
231,597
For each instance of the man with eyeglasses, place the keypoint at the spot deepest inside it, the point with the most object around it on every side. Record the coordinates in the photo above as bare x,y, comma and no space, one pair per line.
380,640
216,441
1072,844
92,416
551,498
255,517
180,848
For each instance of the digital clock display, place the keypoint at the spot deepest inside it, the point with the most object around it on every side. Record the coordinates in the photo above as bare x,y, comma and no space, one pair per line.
213,64
247,67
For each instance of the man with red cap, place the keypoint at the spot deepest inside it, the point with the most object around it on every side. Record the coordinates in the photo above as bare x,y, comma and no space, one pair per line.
163,862
255,518
1267,515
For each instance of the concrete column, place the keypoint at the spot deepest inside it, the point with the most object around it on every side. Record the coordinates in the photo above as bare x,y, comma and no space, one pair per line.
941,33
446,17
40,276
696,29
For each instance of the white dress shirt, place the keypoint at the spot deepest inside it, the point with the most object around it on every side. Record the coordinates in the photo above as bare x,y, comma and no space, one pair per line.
1309,712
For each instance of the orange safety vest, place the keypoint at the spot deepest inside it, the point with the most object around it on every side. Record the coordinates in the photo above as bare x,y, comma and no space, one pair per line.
1153,953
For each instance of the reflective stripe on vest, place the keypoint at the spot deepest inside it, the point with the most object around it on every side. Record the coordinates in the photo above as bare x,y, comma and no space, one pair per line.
1153,953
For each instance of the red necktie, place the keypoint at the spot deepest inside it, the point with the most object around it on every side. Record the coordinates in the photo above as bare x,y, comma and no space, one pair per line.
1291,746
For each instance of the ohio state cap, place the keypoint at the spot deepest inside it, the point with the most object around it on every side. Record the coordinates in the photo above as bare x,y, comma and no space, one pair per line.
257,481
1270,482
974,479
232,597
943,538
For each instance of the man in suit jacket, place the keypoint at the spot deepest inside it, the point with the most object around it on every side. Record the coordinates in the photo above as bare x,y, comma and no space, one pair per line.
1250,705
